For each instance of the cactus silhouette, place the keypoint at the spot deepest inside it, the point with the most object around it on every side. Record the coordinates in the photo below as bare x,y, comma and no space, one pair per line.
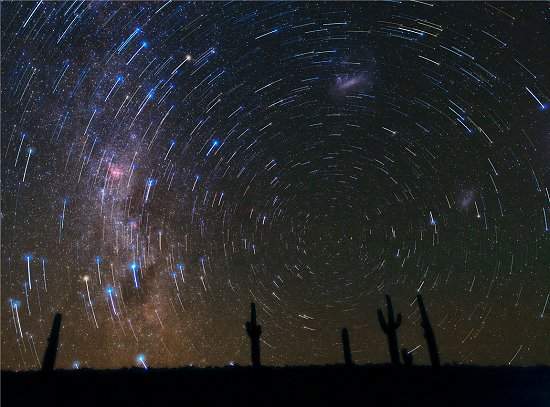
347,349
254,332
390,329
48,362
407,357
428,333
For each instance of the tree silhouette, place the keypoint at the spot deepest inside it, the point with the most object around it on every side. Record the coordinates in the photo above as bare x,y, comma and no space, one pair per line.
428,333
390,329
48,362
254,332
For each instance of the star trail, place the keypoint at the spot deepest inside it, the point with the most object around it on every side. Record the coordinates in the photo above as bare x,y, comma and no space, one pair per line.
165,164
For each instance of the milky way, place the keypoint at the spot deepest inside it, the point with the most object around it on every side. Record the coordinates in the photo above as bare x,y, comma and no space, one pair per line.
166,164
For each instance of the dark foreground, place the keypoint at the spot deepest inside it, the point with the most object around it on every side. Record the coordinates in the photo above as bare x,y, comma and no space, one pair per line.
239,386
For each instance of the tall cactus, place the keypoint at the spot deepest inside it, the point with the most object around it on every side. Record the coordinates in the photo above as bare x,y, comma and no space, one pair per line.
428,333
390,329
254,332
48,362
347,348
407,357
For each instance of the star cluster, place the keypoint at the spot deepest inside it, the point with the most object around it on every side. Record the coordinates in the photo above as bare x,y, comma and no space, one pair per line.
165,164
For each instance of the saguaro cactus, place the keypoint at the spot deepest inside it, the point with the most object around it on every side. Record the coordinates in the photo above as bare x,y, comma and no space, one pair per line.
48,362
407,357
254,332
347,349
428,333
390,329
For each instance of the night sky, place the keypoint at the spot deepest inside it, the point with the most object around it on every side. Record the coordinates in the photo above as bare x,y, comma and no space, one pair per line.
166,164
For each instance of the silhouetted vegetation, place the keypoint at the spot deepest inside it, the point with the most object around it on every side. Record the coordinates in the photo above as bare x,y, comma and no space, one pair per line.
346,347
48,362
276,386
254,331
390,329
428,333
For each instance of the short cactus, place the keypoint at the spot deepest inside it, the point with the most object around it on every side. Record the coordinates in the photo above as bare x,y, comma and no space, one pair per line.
346,346
254,332
390,329
50,355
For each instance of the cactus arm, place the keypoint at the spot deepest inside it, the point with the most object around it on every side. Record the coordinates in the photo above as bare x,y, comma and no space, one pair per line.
428,333
398,321
253,314
421,303
390,307
382,321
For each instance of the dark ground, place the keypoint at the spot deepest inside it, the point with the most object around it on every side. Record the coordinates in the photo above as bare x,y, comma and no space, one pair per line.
239,386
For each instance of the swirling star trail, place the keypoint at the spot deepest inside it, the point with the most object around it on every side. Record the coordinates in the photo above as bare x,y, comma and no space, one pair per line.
165,164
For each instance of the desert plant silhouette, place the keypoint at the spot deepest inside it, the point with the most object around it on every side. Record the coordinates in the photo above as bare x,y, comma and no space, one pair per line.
346,347
276,386
254,332
390,329
428,333
48,362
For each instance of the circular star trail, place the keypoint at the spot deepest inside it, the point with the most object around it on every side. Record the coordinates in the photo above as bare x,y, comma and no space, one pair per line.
166,164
